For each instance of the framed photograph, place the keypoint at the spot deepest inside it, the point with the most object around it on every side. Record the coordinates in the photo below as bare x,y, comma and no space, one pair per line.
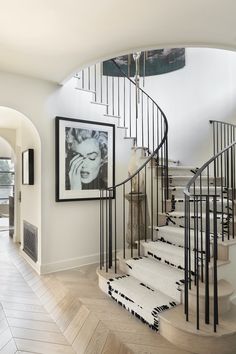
85,153
28,167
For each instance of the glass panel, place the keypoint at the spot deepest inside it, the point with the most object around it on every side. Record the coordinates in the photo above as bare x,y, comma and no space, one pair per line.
6,180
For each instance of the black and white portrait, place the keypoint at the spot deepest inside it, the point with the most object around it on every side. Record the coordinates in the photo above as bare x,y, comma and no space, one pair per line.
84,158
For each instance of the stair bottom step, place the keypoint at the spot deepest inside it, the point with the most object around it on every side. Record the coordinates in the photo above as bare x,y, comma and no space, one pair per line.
142,301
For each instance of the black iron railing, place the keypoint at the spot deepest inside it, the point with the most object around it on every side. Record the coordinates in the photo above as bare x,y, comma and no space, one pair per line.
209,217
130,209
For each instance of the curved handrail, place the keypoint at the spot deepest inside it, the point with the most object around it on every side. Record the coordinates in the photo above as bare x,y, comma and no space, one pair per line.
201,169
219,121
160,144
206,164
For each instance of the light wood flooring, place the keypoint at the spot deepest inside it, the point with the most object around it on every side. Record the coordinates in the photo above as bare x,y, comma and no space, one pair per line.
65,312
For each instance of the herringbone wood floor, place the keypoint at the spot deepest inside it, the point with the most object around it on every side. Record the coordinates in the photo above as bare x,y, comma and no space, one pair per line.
65,312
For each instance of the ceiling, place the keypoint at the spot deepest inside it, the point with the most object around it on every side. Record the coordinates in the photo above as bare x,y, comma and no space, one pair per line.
52,39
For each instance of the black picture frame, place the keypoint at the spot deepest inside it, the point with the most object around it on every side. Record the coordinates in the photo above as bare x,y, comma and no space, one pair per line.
85,158
28,167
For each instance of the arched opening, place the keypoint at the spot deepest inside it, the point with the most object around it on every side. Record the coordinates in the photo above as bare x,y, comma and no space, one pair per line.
19,135
7,187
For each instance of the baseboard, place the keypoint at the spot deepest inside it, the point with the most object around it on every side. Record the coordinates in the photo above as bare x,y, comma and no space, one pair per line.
35,266
69,264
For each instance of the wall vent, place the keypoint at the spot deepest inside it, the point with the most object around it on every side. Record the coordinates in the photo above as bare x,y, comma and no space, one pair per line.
30,235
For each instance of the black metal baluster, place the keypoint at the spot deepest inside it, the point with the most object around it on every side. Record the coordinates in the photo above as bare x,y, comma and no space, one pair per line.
197,265
131,217
195,216
110,223
113,95
189,244
217,149
227,173
207,246
118,96
201,226
142,119
130,111
162,172
124,123
145,201
214,144
148,123
101,230
101,83
107,95
115,214
152,211
83,79
95,84
124,220
215,280
186,250
167,173
107,223
89,78
139,216
233,189
153,113
157,169
222,195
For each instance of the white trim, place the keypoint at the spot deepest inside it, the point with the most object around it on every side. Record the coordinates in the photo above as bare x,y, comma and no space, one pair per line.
69,263
35,266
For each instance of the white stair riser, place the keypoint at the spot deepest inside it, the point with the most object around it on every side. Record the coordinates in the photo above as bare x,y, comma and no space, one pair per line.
224,304
179,205
182,171
178,262
160,283
183,181
165,257
178,192
180,222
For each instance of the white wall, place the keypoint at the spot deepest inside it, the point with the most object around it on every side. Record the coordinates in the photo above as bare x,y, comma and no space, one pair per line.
5,148
204,89
70,230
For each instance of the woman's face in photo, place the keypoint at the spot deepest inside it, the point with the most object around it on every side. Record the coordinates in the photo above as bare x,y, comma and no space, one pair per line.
90,152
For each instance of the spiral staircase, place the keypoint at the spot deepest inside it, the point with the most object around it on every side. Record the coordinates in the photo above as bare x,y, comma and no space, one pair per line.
167,231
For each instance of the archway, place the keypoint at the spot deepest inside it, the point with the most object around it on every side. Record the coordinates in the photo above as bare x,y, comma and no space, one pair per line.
21,134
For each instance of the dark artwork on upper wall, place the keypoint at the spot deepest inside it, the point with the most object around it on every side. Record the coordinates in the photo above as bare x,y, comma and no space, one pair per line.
153,62
85,153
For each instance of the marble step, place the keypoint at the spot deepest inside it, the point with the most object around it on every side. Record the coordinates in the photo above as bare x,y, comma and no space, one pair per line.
163,252
155,274
143,301
184,180
222,204
173,256
177,219
175,236
182,170
178,192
